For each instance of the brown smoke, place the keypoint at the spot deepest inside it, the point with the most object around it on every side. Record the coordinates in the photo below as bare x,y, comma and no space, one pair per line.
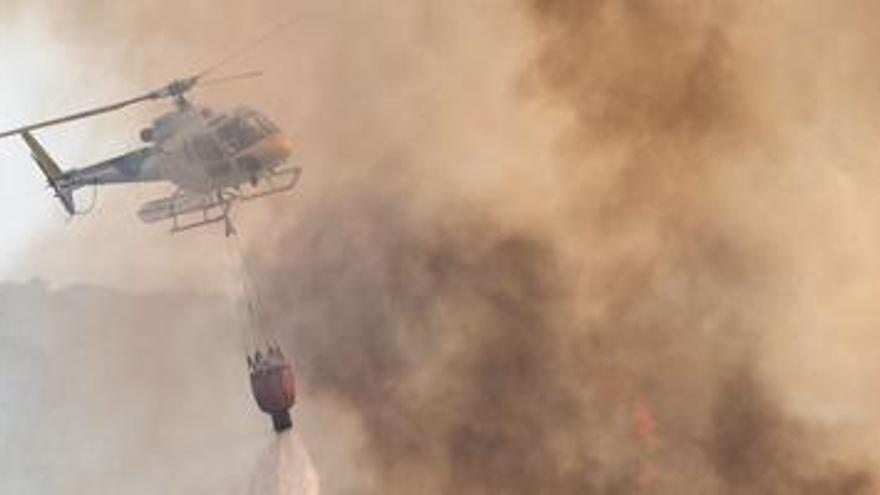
479,357
564,246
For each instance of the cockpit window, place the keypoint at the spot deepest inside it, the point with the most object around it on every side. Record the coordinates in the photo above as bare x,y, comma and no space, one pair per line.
266,124
240,133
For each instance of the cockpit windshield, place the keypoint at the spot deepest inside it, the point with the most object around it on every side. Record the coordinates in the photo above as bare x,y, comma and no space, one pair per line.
239,133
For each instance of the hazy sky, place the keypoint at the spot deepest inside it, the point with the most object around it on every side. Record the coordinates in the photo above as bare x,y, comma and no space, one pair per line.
36,62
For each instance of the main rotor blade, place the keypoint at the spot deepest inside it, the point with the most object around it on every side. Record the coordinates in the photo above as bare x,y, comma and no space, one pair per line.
176,88
234,77
81,115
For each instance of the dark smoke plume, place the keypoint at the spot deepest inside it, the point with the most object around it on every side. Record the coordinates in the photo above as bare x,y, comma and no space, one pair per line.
485,359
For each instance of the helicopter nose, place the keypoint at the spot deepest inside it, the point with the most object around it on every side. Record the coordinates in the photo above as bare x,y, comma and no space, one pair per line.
280,147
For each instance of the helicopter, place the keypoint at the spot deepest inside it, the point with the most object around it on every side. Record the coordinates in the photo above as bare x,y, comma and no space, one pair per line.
213,159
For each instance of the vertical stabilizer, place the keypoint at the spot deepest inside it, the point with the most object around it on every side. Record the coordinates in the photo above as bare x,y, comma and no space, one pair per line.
52,172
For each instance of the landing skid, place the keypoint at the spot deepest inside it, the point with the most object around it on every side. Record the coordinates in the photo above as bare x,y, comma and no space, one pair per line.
222,205
213,207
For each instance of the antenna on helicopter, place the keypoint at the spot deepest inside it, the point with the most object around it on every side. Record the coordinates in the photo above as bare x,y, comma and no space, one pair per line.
176,89
249,47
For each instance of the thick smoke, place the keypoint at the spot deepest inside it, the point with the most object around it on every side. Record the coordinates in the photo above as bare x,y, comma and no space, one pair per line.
617,347
565,246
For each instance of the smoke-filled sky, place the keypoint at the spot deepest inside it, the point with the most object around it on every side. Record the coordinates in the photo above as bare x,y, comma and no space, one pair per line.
541,246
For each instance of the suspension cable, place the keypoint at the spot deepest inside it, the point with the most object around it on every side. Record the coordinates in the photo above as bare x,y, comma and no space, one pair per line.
256,308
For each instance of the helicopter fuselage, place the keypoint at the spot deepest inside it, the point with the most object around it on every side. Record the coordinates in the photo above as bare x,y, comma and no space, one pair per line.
200,151
196,150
